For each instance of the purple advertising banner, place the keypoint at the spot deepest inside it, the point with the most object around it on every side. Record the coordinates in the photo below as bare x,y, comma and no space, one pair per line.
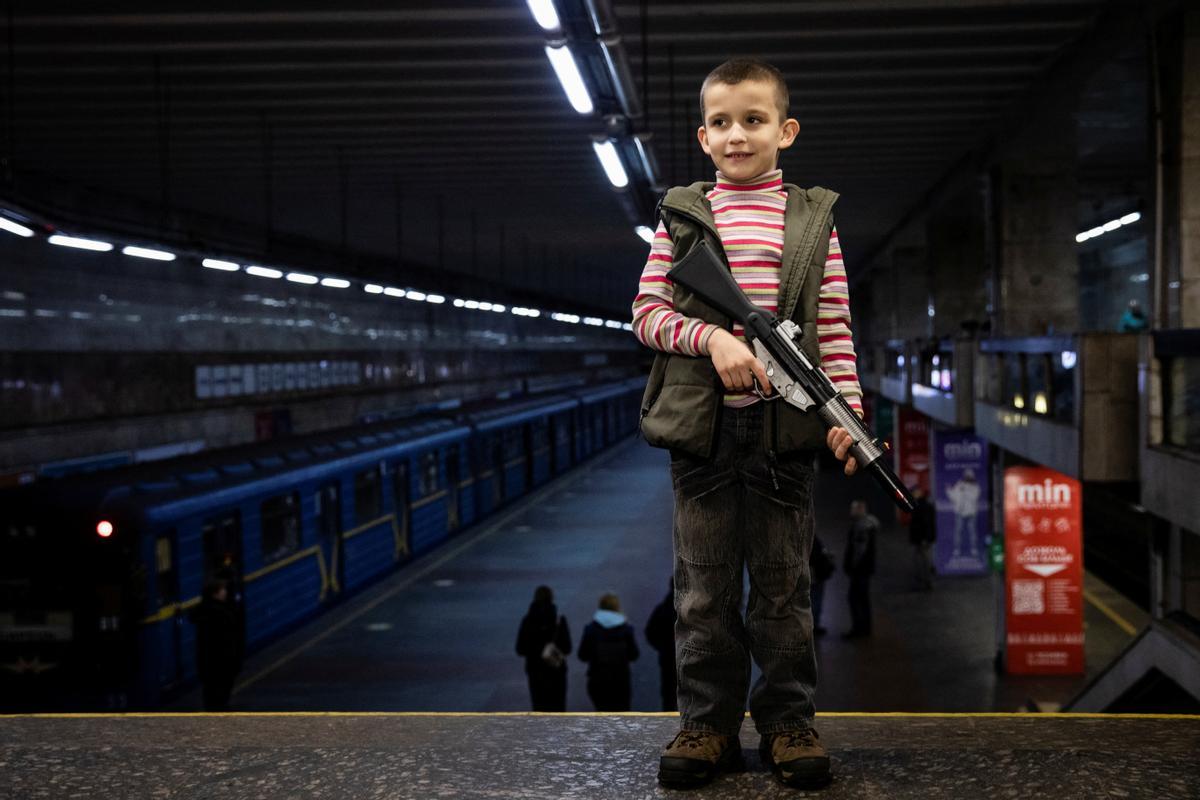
960,495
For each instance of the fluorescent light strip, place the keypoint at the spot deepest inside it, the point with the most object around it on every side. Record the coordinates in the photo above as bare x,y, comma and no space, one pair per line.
335,283
568,75
413,295
80,244
392,291
15,227
1107,227
606,151
646,233
216,263
436,299
593,321
545,14
301,277
147,252
264,272
373,288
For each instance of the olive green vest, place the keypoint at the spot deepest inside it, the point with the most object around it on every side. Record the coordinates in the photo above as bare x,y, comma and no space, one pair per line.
683,399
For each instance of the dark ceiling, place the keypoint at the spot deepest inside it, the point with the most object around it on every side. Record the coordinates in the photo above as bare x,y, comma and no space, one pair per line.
327,109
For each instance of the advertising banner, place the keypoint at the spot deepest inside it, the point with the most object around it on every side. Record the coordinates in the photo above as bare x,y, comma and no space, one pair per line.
960,495
912,448
1043,563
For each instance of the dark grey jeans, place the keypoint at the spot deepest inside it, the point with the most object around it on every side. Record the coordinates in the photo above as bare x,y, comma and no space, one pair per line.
738,508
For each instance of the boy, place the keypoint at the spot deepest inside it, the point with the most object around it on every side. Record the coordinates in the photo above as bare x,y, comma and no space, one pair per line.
743,468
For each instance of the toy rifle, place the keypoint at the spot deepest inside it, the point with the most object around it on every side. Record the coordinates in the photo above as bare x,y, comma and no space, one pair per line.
776,344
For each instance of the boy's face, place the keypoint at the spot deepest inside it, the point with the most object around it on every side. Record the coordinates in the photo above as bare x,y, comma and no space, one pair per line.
742,130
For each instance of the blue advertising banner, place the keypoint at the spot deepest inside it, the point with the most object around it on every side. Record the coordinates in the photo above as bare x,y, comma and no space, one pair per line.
960,495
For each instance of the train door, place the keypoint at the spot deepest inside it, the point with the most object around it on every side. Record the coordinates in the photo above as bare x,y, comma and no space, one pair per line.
166,545
453,518
528,444
553,424
329,535
221,537
497,446
402,505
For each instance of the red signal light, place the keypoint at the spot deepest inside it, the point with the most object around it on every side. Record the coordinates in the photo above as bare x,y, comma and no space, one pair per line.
104,529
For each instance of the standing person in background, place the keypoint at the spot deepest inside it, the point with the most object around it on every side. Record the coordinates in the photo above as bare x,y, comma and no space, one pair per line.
922,531
608,647
660,633
1133,320
218,645
859,564
545,642
821,566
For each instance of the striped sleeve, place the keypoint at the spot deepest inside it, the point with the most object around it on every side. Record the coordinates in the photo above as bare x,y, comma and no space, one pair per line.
656,323
833,327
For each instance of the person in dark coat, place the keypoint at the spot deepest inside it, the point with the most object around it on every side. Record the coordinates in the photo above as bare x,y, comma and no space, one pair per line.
219,645
608,647
821,566
660,633
922,531
545,642
859,564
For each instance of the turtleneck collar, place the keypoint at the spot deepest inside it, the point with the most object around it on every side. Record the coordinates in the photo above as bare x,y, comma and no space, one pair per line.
767,182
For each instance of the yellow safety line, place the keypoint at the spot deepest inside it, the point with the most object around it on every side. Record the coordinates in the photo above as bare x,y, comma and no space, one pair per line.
401,714
1107,611
408,579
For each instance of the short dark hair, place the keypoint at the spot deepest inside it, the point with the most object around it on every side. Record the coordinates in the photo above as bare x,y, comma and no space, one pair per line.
737,70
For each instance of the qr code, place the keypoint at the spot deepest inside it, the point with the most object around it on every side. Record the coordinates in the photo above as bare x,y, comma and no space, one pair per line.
1028,597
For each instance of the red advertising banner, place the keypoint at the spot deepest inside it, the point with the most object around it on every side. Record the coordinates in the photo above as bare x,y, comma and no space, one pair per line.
1043,565
912,448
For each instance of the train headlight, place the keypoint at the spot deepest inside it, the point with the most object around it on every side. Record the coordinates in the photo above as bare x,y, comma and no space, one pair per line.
104,529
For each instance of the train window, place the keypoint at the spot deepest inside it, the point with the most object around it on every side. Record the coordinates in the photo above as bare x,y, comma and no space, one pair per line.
222,537
280,526
329,511
164,566
367,496
428,480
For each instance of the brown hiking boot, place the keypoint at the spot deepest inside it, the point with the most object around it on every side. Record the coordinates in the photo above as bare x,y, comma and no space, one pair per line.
796,757
693,758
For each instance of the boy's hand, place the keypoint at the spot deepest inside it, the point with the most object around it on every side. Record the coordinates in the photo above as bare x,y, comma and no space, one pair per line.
839,441
736,365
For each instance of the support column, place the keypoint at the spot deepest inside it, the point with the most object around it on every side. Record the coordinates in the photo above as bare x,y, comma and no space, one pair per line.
1039,267
955,255
1189,176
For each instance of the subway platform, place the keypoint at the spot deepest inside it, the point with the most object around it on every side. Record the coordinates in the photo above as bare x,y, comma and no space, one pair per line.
439,634
398,755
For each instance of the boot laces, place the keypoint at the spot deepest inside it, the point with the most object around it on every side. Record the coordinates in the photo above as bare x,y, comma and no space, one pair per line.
692,740
804,738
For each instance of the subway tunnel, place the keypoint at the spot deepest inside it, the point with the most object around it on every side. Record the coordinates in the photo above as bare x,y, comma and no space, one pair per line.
333,335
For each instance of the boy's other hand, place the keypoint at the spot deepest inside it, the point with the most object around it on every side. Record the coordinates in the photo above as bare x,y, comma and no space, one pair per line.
736,364
839,441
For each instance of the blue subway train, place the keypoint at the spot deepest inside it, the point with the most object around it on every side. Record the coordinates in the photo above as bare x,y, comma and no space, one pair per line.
98,571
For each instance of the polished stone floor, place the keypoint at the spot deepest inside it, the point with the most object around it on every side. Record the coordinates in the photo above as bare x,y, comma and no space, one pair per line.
439,635
554,757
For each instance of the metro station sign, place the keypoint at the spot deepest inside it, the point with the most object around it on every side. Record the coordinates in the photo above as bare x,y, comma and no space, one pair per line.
1043,557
